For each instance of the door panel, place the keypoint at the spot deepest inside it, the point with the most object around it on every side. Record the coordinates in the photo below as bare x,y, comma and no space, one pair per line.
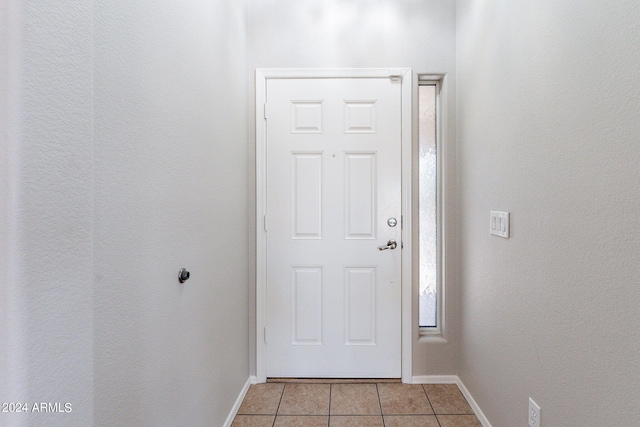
333,180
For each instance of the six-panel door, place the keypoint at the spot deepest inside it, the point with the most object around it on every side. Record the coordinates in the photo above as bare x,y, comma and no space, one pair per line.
333,182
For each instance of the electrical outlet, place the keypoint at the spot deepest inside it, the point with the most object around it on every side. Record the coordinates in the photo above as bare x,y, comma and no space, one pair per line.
534,414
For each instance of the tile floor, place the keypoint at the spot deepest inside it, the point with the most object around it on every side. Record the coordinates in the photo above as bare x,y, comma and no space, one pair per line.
355,405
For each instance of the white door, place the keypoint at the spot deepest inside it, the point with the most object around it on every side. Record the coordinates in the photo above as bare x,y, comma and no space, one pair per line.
333,298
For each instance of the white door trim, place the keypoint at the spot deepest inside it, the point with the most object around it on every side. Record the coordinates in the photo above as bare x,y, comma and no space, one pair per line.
261,191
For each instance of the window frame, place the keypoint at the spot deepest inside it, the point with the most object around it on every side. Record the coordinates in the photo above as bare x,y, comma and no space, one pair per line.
436,80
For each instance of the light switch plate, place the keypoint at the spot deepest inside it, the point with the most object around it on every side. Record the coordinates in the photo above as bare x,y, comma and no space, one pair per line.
499,224
534,414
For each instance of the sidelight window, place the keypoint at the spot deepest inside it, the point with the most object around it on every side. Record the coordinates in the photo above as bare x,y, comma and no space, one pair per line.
428,201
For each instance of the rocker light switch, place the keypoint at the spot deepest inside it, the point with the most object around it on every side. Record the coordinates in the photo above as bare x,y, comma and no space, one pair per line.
499,224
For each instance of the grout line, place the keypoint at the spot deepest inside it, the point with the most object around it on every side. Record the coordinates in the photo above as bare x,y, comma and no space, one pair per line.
278,408
330,395
380,403
429,400
431,404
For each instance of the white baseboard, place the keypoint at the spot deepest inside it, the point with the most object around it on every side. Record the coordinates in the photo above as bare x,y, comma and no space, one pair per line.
435,379
236,406
483,420
454,379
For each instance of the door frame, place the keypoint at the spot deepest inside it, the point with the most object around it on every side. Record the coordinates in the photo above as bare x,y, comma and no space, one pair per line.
264,74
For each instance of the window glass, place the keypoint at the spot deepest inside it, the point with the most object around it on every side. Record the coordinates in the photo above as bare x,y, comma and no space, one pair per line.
428,226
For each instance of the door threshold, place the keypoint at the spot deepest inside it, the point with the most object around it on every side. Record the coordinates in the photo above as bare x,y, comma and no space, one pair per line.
334,380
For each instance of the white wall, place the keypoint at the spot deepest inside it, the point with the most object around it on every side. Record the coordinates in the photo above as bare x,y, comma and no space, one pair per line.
370,34
548,129
124,130
48,127
170,191
12,317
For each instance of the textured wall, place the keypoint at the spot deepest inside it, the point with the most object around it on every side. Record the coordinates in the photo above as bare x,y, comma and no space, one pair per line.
12,342
548,129
358,34
170,192
124,158
50,210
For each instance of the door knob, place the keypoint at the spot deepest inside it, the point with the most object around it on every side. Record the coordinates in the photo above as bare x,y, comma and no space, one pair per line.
183,275
391,244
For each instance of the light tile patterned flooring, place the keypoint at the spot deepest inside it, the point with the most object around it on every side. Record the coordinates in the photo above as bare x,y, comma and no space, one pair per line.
355,405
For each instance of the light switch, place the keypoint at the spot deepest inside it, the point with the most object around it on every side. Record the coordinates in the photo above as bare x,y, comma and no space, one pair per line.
499,224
